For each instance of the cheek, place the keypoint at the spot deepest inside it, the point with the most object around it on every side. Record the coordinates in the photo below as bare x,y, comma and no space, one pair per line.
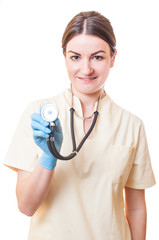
72,69
103,69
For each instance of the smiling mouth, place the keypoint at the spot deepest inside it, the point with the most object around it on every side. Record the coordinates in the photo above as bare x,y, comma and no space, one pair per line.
87,78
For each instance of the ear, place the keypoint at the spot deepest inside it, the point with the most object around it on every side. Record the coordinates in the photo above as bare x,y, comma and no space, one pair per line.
113,59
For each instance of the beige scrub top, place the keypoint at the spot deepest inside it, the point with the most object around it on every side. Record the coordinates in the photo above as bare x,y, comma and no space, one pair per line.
85,200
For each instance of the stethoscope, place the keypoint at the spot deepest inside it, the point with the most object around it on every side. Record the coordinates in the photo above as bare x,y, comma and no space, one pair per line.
49,112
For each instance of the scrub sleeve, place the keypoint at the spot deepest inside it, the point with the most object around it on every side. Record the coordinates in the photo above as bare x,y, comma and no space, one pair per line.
23,153
141,176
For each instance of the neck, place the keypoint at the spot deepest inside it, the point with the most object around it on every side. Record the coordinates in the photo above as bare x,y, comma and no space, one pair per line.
88,100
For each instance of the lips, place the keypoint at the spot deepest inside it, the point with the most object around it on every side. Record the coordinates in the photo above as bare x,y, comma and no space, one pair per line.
87,78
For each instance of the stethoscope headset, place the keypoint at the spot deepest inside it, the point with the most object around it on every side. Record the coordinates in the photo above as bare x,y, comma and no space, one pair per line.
50,113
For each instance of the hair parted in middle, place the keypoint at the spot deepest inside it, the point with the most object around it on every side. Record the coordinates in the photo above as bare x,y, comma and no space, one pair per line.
90,23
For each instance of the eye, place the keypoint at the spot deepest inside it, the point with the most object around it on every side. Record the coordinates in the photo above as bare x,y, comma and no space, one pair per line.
74,58
97,58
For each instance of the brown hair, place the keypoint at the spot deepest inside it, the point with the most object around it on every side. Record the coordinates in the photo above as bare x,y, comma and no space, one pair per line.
90,23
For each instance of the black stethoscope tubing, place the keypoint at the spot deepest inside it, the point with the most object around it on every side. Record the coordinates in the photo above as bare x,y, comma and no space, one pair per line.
75,150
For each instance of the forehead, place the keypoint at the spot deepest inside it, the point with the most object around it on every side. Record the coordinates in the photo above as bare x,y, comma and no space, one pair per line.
87,43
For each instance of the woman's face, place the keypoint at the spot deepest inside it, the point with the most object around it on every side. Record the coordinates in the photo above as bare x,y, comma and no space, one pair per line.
88,62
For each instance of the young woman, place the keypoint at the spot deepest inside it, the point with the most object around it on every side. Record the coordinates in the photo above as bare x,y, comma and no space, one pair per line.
82,198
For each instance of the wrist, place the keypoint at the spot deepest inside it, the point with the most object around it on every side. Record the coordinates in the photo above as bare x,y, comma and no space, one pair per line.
48,162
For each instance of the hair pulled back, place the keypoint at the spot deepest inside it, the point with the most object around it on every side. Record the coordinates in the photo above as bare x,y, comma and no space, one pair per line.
90,23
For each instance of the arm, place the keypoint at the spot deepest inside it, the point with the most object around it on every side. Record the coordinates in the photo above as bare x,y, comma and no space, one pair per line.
32,188
135,208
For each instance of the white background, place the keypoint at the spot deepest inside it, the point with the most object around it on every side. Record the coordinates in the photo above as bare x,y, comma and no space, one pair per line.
32,67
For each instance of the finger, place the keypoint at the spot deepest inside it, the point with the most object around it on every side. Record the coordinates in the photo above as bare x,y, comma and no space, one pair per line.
41,134
38,118
38,126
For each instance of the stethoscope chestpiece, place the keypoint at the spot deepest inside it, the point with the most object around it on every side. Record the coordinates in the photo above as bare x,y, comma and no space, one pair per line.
49,112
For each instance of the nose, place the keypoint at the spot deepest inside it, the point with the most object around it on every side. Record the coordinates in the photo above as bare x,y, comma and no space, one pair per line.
86,67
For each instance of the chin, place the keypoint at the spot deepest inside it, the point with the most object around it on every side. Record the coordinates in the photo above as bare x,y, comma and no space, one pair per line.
87,90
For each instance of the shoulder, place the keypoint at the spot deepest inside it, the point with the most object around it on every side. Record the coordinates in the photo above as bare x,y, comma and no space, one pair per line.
124,115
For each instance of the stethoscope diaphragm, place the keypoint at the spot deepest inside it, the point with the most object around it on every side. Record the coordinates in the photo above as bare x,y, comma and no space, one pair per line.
49,112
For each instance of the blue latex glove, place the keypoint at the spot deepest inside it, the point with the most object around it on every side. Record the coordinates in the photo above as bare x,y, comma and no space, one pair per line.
41,131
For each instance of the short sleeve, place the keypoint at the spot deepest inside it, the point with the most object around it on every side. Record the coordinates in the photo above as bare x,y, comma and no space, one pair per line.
141,175
23,152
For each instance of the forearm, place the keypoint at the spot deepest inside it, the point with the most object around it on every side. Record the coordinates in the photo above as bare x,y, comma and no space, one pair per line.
137,223
32,188
135,209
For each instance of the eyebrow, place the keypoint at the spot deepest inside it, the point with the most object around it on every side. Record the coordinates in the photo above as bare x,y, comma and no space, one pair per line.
100,51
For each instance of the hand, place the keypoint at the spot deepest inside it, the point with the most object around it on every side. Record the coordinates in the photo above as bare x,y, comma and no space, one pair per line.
41,131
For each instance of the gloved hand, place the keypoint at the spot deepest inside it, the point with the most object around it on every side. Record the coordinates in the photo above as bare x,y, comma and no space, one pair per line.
41,131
